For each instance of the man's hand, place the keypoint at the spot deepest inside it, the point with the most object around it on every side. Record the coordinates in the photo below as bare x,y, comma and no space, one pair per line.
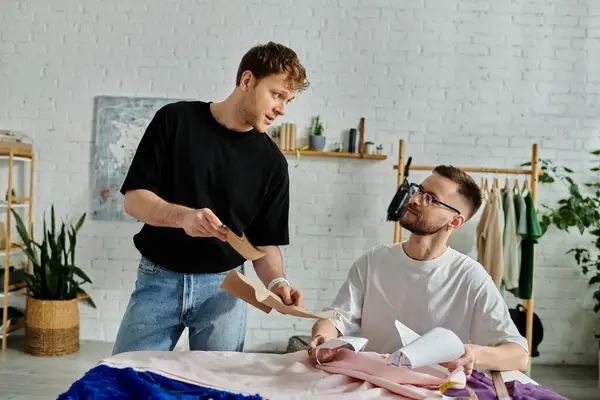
288,294
203,223
467,361
325,355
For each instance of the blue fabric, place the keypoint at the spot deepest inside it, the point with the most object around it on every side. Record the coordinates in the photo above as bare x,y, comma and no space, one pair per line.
164,302
104,382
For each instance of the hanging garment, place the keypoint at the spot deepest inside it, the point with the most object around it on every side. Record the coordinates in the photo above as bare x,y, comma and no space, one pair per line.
501,211
534,232
489,238
521,217
464,239
511,241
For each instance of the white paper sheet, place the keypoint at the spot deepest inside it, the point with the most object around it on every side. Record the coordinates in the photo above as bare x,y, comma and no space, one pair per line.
406,334
439,345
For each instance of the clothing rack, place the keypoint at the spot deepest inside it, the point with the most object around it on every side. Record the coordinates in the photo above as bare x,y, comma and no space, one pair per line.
534,172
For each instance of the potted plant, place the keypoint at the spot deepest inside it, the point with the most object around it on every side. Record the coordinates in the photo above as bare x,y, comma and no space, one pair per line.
13,195
54,288
316,138
369,147
580,211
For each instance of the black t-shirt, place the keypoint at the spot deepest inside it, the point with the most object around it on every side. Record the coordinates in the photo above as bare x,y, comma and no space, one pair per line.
186,157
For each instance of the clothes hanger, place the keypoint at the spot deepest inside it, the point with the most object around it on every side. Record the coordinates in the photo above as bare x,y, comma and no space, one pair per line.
525,187
506,184
484,188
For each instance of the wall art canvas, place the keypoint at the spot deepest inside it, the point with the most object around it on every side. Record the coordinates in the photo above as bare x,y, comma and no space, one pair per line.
119,123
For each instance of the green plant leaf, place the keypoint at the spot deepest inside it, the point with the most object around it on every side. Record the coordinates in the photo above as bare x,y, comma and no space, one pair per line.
525,164
52,221
595,232
79,272
33,285
596,152
546,179
594,279
89,300
597,295
568,170
80,223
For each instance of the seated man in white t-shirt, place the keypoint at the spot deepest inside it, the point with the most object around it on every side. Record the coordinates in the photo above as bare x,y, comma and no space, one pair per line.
424,283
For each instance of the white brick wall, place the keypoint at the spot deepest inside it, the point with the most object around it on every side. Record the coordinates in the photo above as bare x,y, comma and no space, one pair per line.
462,82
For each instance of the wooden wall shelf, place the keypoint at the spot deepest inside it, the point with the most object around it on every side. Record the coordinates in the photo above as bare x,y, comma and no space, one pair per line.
335,154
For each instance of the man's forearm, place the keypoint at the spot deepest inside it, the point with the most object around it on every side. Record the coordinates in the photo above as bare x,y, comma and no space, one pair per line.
147,207
325,328
504,357
269,266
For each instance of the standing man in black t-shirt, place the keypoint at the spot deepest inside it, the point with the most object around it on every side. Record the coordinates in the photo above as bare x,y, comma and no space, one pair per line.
202,168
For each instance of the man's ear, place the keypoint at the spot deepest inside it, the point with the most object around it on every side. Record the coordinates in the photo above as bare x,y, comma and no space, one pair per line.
246,80
457,222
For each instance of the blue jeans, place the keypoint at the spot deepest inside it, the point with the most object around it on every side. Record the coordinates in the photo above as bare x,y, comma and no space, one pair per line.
165,302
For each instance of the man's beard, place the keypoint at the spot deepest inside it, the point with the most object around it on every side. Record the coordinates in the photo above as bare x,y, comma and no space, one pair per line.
416,225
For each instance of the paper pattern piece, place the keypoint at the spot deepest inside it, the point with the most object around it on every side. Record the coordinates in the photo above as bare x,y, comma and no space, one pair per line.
437,346
406,334
353,343
243,246
262,298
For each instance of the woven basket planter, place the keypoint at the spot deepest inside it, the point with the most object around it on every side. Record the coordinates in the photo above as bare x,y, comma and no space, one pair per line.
51,327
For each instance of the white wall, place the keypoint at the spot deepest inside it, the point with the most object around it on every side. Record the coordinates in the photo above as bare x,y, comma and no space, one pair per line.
471,83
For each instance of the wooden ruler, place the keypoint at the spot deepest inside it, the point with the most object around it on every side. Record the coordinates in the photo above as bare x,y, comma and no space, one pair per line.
499,385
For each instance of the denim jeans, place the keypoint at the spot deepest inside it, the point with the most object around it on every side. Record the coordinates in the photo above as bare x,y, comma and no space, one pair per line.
164,302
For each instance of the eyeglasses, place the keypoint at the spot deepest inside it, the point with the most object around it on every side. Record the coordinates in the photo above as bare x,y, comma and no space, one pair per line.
428,197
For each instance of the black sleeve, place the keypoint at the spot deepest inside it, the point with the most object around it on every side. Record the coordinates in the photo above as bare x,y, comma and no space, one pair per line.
148,164
270,227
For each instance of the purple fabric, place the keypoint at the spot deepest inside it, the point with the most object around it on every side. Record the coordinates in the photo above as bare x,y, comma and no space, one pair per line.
483,387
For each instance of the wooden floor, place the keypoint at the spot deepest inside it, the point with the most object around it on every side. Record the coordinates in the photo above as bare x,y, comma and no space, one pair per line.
34,378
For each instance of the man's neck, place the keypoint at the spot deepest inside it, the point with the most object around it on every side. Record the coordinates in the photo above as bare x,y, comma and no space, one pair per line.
228,114
424,248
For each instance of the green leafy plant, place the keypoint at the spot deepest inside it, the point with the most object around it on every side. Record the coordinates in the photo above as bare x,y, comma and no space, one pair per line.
276,132
55,275
316,128
12,192
578,210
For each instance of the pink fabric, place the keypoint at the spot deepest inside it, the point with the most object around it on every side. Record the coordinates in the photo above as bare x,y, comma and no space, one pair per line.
287,376
418,383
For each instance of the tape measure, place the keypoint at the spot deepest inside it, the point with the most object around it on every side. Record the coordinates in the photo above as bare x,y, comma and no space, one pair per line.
450,384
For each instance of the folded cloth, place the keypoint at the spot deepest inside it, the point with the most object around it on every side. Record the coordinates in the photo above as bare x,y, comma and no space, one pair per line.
483,386
414,383
104,383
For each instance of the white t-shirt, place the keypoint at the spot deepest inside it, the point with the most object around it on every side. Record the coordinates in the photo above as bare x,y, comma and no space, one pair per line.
452,291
